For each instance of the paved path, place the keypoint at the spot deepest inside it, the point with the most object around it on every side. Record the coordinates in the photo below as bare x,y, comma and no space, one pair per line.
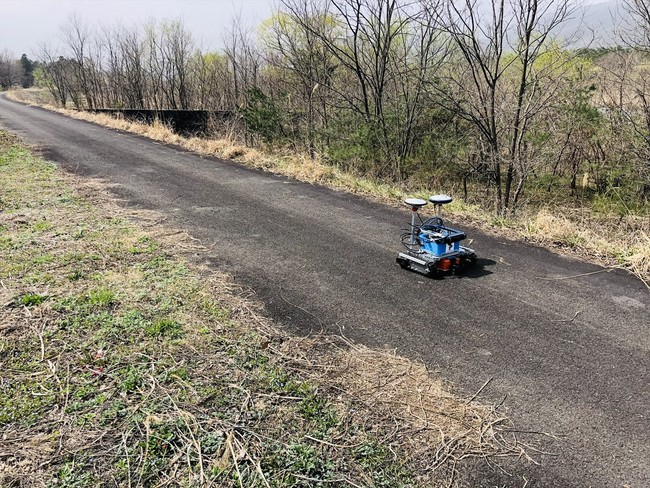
307,248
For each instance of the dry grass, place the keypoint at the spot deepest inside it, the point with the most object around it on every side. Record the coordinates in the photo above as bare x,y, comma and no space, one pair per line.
281,162
598,238
417,409
622,242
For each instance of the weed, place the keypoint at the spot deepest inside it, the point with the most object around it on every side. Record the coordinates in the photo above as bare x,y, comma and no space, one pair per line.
165,328
299,461
76,275
132,322
90,399
113,412
215,310
503,222
78,234
129,378
24,402
74,474
42,226
45,258
277,379
374,457
7,243
101,298
31,299
144,245
316,408
161,441
212,442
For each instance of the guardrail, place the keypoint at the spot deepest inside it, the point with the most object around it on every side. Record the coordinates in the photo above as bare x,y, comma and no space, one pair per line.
183,122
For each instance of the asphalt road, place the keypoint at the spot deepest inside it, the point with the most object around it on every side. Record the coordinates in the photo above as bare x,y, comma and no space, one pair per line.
322,259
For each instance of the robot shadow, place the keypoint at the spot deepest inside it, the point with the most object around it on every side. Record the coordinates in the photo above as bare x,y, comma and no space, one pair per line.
478,270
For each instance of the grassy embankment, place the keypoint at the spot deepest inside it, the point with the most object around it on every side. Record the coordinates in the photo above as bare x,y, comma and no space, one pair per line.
123,364
606,237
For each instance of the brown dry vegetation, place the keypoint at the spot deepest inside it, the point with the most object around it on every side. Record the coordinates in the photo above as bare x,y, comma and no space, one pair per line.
610,240
125,364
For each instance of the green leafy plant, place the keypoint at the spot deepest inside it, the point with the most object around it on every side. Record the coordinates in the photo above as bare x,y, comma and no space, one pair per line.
262,116
31,299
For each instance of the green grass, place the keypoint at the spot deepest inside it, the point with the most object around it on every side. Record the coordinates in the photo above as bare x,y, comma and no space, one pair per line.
130,367
31,299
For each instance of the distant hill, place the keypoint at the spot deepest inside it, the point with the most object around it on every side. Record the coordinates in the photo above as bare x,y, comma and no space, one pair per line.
595,24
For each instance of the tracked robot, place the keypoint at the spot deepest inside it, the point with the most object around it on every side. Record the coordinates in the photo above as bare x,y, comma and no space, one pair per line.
431,248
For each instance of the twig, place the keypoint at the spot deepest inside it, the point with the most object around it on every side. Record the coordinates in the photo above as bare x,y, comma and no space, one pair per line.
568,321
307,478
40,338
234,460
352,484
299,307
479,391
636,272
126,457
258,467
606,270
341,446
536,432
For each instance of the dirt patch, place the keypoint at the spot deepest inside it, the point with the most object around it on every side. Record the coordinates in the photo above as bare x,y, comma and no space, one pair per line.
50,154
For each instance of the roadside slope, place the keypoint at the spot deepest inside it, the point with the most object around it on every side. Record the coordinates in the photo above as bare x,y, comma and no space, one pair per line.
324,260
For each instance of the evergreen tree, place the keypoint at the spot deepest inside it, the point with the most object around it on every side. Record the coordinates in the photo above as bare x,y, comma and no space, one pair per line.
27,79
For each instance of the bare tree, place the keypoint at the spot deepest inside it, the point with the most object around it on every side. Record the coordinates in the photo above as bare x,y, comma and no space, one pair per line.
638,33
132,49
295,51
177,46
114,71
58,75
498,81
76,35
379,52
10,70
245,62
419,56
638,115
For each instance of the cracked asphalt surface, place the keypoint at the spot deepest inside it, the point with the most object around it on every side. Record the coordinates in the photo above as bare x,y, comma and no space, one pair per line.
325,260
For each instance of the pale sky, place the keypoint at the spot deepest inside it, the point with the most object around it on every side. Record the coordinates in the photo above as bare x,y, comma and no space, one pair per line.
26,24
